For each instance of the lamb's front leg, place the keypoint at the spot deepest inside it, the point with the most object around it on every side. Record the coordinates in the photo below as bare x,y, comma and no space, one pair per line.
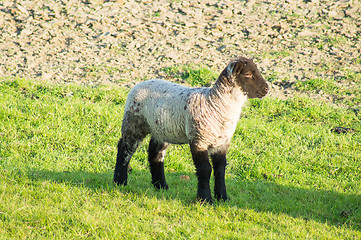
204,170
156,153
219,167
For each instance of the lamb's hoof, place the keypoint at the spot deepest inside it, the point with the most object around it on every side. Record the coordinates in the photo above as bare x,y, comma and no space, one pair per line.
205,200
160,186
222,198
118,181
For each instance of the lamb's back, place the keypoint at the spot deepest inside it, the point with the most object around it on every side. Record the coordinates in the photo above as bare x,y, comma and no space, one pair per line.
163,105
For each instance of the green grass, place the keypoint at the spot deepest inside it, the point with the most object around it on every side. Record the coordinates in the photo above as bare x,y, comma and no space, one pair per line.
288,176
348,93
317,84
193,75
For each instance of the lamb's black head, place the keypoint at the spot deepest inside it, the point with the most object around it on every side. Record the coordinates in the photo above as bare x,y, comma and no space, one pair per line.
246,75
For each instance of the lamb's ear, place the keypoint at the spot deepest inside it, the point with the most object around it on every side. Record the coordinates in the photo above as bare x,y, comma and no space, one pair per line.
235,67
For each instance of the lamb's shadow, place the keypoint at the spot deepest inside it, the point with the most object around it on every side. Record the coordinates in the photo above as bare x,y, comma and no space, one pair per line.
263,196
139,183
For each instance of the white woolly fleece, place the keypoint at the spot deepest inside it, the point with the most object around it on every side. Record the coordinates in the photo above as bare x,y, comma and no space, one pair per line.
178,114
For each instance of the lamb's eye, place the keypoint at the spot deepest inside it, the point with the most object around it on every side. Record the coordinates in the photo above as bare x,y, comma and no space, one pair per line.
248,75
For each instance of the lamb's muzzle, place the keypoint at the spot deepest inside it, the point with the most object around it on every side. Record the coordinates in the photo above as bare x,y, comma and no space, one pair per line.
261,93
204,118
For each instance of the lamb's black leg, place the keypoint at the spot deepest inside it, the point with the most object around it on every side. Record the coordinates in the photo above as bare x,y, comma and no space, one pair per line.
125,152
156,153
219,167
204,170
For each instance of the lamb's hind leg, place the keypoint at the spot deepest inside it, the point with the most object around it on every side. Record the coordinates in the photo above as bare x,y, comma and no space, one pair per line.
156,153
125,152
134,130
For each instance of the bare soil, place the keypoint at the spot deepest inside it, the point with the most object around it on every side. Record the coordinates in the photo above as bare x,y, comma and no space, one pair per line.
123,42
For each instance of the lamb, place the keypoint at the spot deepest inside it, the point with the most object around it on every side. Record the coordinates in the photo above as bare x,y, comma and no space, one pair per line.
204,118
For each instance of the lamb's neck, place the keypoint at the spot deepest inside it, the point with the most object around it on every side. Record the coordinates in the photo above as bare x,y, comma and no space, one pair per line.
225,92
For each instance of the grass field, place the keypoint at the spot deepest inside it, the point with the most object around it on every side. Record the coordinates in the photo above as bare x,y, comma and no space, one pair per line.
289,176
